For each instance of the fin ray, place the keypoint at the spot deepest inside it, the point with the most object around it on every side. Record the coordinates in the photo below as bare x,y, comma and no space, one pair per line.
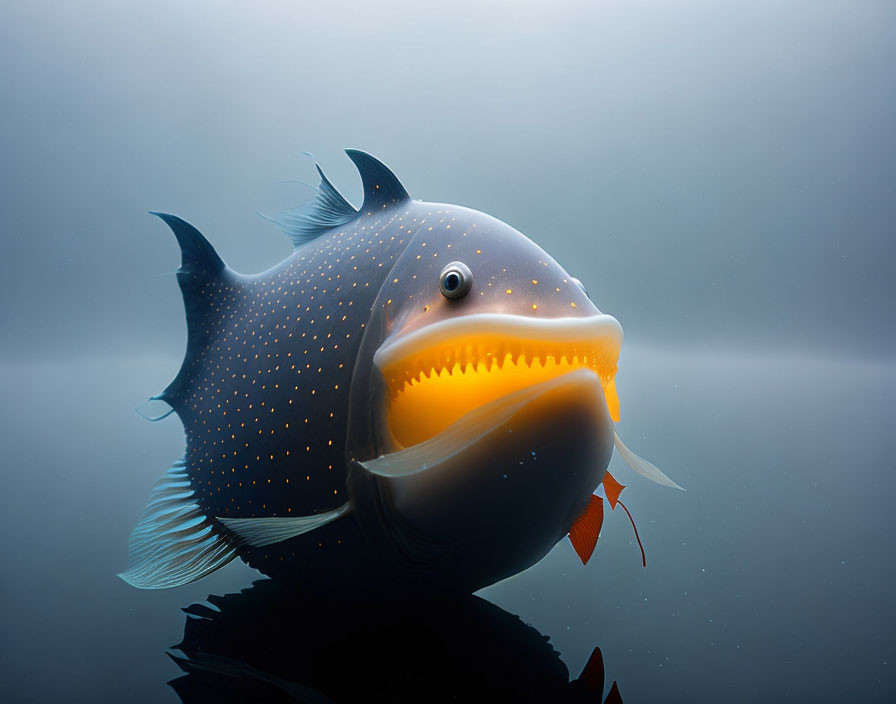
328,209
175,542
586,530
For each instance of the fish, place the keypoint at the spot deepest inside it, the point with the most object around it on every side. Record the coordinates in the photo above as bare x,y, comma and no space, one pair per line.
419,392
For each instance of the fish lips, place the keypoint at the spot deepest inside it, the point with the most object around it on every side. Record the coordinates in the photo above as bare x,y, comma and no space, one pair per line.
601,328
505,482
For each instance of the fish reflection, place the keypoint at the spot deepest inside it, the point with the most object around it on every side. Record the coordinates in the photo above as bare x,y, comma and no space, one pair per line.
270,643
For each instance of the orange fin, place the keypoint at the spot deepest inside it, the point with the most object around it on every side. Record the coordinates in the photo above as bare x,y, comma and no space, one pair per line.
612,488
585,531
637,537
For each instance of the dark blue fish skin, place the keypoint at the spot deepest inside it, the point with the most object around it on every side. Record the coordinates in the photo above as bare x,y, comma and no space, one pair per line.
279,395
264,403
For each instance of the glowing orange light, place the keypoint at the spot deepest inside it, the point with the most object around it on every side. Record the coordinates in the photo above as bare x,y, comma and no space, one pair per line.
439,386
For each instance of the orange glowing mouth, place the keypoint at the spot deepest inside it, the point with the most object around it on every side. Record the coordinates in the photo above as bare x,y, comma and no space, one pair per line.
440,373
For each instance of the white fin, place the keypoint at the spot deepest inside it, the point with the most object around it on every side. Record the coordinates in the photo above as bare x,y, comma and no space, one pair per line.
465,431
175,543
258,532
642,466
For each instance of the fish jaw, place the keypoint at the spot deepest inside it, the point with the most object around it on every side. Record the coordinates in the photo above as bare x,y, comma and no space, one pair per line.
503,484
437,374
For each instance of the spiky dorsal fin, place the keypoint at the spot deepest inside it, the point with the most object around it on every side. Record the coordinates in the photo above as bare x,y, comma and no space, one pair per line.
381,186
200,269
327,210
198,258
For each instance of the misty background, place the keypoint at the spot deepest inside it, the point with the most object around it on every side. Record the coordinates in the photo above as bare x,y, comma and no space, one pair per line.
721,177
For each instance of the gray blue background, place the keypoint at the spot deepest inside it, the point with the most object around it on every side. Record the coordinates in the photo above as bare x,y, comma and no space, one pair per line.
721,176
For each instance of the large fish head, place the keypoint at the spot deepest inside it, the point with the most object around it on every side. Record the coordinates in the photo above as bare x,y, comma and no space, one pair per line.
483,397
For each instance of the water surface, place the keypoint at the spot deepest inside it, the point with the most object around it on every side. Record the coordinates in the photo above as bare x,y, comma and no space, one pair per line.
769,577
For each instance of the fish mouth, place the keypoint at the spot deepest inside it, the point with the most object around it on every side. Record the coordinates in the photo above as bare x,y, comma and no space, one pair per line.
438,374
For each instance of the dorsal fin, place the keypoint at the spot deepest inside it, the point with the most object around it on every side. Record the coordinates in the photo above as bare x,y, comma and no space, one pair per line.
381,186
200,268
198,258
327,210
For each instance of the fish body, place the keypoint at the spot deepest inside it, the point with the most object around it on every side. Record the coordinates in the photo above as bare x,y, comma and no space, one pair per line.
418,390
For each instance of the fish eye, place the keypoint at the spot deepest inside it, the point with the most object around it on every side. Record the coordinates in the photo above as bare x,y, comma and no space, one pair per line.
580,285
456,280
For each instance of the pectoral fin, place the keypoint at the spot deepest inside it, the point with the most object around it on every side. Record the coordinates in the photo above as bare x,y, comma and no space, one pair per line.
258,532
612,488
175,543
642,466
585,531
458,436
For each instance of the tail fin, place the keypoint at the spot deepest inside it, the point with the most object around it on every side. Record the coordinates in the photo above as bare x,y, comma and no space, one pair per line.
175,543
